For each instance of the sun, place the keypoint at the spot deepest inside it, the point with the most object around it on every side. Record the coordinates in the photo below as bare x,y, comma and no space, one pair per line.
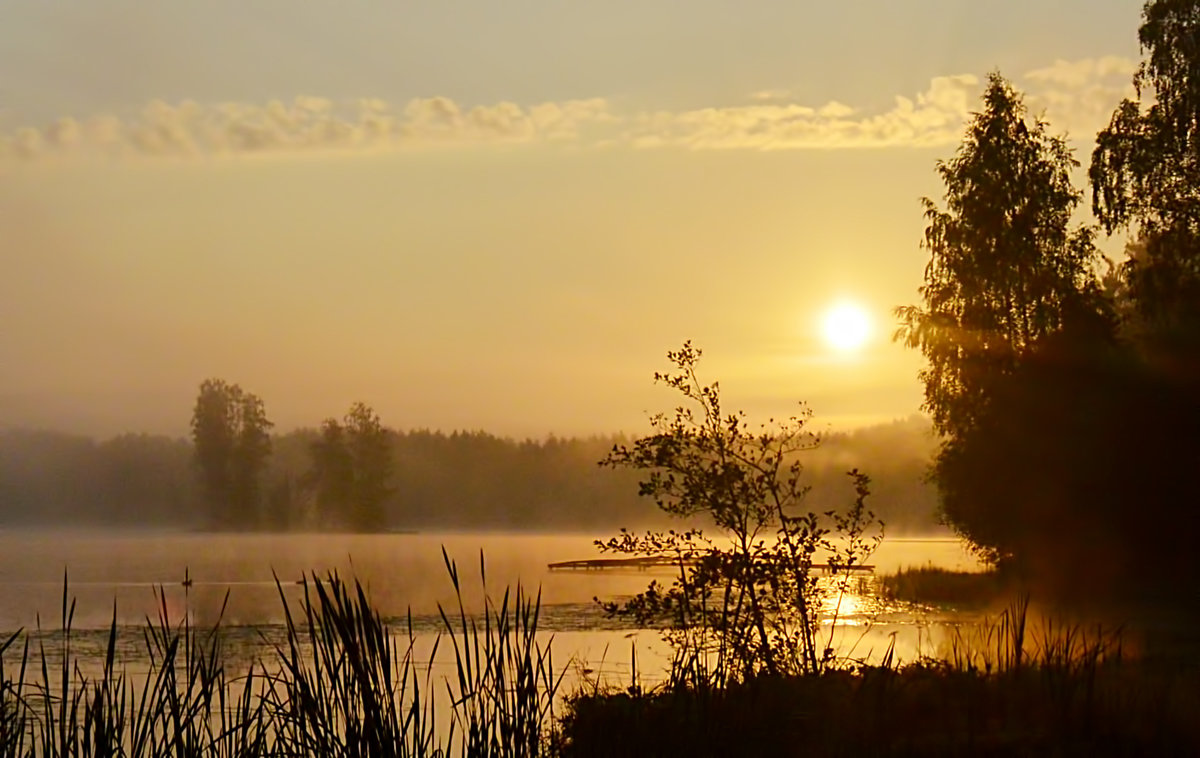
846,327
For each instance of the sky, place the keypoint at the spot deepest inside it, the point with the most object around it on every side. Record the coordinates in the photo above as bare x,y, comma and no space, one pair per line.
491,216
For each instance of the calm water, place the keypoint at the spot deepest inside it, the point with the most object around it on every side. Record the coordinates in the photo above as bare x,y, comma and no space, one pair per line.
403,573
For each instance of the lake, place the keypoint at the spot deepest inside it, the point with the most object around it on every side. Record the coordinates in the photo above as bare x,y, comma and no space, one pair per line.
136,574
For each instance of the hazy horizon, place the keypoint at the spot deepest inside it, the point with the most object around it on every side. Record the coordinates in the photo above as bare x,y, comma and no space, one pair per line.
817,425
472,217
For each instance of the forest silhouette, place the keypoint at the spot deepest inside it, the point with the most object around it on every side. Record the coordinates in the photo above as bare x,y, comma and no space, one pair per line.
437,480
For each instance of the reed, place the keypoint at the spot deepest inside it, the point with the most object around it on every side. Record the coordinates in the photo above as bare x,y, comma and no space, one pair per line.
184,704
341,683
930,585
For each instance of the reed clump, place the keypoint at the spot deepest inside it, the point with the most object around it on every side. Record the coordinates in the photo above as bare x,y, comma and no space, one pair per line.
342,682
932,585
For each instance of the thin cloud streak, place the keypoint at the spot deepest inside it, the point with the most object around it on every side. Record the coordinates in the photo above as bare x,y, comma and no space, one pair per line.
307,124
1074,96
933,117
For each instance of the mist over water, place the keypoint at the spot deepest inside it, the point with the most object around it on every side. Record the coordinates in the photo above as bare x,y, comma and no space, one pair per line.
136,549
401,572
140,573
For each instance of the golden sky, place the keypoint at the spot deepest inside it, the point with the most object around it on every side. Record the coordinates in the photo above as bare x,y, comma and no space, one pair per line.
488,216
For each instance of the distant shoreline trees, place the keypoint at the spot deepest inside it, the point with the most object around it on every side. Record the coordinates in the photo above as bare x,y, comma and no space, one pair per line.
351,471
231,434
464,480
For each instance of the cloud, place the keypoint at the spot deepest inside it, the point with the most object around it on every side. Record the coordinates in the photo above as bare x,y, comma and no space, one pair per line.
1077,97
766,95
305,124
932,117
1085,72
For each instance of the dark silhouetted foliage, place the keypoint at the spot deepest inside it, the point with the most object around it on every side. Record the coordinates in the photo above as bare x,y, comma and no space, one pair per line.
1009,284
746,600
1145,177
1082,473
1065,402
1006,268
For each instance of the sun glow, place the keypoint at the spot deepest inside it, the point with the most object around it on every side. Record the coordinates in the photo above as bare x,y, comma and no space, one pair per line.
846,327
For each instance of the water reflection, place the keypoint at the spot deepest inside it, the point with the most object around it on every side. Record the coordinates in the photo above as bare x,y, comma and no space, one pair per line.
140,576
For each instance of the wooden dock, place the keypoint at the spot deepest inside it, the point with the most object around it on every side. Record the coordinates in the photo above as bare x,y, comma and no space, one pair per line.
660,562
603,564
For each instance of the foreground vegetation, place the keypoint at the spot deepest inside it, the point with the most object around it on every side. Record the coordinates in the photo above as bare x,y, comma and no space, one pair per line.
1043,707
344,683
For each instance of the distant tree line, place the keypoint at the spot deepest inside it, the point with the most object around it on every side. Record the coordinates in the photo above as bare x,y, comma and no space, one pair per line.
345,484
54,478
1067,396
422,480
232,439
